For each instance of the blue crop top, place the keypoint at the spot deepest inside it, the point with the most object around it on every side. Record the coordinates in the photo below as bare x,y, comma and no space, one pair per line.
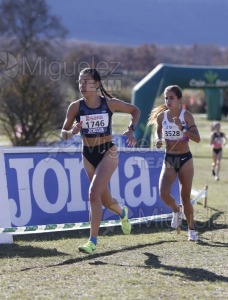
96,122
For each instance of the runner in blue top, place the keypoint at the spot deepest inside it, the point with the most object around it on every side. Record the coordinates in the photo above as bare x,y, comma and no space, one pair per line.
92,117
176,126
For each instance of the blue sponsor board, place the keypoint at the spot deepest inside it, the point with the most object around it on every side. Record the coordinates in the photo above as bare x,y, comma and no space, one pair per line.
50,186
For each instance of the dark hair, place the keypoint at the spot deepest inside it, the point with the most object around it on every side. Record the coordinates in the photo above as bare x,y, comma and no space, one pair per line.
176,89
97,77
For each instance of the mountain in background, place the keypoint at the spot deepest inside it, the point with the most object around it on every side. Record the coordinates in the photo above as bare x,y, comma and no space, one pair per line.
136,22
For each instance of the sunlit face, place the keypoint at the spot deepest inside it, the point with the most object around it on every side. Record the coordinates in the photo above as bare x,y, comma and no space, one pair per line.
171,100
87,85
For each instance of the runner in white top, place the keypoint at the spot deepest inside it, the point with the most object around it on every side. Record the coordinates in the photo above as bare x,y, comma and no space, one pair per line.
218,141
176,126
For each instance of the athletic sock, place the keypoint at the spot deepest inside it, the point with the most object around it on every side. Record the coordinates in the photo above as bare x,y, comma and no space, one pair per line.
123,214
93,240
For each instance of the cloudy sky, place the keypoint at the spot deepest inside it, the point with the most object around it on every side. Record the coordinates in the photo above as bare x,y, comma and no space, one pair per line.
134,22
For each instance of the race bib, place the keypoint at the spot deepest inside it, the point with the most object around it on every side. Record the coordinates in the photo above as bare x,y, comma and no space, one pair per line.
93,124
218,141
172,133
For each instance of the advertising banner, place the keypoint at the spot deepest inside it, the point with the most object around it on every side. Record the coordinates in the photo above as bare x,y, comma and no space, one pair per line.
44,186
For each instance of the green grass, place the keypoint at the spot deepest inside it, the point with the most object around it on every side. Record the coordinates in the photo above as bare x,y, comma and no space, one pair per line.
152,263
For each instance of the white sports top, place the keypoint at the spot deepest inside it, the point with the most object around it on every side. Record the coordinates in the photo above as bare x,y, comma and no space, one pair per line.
171,131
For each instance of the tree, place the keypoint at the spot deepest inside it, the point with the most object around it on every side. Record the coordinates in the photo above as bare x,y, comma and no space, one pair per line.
31,79
30,22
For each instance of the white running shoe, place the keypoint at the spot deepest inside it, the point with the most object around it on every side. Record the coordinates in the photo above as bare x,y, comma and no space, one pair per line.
176,219
192,236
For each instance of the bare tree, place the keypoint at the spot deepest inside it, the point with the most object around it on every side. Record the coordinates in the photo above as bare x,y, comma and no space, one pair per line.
30,22
31,79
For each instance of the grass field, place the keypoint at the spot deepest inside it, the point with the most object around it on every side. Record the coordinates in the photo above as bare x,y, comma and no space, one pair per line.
152,263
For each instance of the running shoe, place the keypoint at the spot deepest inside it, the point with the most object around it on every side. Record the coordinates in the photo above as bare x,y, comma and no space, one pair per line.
88,248
213,172
216,178
176,219
192,236
125,223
